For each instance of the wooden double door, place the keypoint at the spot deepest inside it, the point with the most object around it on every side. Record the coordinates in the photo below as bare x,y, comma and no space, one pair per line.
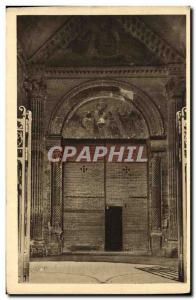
105,206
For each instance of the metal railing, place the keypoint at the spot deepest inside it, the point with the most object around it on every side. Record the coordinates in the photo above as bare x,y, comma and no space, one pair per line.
24,123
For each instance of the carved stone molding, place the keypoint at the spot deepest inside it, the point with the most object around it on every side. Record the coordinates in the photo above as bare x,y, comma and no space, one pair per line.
176,70
159,145
133,25
64,36
151,40
89,72
141,101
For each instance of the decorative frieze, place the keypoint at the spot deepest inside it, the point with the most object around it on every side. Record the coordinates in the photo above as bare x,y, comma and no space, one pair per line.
150,39
122,71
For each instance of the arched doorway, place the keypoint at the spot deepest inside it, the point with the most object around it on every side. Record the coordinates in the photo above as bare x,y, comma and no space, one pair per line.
106,206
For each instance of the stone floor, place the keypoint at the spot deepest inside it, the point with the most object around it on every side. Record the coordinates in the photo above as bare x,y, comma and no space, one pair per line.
115,257
93,272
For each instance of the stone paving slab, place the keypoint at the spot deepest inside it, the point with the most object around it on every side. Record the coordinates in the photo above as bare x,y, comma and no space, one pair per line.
91,272
114,257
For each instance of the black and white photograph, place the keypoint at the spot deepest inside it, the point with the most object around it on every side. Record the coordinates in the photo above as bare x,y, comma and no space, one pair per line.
103,149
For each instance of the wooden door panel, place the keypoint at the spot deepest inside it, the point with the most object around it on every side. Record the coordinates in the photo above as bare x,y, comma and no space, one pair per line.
84,203
126,180
136,235
84,230
83,219
126,183
85,188
84,180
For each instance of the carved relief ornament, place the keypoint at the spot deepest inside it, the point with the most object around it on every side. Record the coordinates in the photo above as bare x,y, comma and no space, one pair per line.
35,88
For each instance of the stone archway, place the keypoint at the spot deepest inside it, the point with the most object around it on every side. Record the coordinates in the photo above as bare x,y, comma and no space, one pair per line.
87,91
105,115
76,111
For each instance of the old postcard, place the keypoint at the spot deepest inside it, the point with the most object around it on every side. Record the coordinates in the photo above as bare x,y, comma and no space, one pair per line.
98,150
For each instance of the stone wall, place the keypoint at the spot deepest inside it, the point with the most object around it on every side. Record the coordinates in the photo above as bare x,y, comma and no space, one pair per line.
58,86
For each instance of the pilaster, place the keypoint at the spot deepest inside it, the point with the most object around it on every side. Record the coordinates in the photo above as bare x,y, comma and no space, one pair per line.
175,89
35,89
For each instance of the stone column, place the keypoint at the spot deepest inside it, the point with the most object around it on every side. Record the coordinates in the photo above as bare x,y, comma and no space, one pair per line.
56,218
175,94
56,229
156,204
55,201
36,93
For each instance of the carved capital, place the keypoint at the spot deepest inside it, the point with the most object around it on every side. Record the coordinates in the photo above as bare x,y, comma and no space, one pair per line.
35,88
158,145
175,87
52,140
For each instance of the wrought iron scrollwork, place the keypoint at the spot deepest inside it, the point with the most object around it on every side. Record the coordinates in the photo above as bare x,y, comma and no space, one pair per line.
181,125
24,189
181,122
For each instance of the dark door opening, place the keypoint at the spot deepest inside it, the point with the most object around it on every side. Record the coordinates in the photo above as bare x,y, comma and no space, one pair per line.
113,228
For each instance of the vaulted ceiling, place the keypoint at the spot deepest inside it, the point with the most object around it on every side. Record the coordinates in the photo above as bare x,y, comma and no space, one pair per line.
102,40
